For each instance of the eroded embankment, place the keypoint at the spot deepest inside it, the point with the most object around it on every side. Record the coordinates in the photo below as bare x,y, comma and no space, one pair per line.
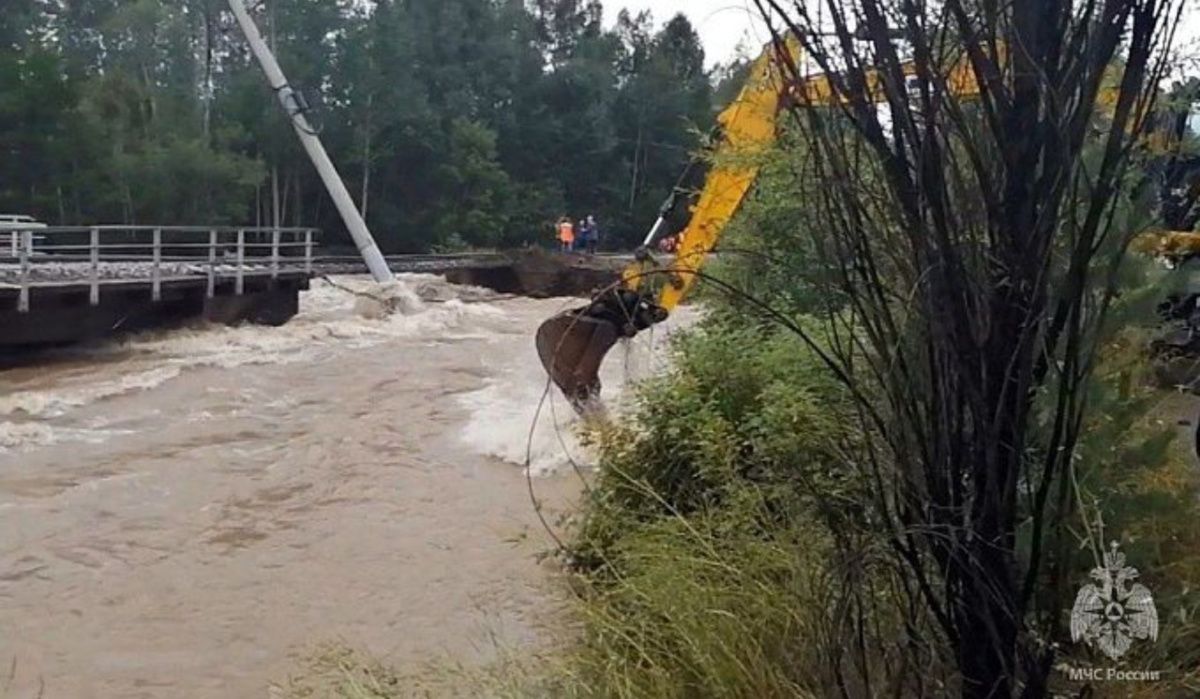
539,274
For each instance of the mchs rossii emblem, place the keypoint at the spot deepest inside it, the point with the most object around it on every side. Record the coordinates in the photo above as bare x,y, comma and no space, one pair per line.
1114,611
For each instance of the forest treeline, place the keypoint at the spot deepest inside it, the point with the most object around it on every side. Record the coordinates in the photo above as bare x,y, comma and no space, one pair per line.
455,123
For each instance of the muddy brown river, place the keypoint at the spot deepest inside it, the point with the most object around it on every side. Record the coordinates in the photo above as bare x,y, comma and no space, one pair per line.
188,513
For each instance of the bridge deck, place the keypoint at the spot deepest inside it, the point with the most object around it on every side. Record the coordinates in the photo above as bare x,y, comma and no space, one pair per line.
122,274
61,284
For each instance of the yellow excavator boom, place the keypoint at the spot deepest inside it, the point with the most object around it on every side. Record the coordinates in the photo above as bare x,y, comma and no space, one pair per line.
572,345
747,125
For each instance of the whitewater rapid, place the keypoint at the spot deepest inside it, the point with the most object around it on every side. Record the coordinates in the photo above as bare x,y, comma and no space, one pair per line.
52,398
183,512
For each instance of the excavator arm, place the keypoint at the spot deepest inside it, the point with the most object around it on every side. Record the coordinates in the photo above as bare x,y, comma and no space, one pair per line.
573,344
747,125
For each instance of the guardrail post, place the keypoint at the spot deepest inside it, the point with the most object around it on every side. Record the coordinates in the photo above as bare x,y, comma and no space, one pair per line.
275,253
25,254
308,252
16,245
94,253
212,264
156,272
240,284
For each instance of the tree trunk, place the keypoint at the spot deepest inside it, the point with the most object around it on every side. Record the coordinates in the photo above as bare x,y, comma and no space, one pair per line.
366,175
275,217
985,620
283,210
299,208
129,218
208,73
151,106
637,155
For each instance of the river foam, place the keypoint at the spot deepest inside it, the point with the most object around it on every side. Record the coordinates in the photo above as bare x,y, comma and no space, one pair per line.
520,418
326,324
513,415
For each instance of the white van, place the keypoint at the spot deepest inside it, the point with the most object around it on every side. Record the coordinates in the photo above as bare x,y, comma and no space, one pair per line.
19,222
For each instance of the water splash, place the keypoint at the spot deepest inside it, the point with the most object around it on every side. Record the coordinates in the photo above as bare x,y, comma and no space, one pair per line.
327,324
506,422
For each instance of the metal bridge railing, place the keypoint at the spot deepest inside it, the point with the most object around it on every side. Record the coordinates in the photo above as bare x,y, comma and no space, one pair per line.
93,255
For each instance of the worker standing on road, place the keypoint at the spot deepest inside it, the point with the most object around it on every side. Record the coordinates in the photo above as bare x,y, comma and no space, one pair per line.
566,234
581,235
590,237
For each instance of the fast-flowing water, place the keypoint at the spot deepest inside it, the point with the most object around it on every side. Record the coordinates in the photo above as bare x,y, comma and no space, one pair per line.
186,513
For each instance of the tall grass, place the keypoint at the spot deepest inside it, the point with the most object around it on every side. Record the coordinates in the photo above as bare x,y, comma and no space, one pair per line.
705,563
704,606
721,552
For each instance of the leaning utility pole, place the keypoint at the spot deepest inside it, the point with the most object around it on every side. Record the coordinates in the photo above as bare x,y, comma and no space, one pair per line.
294,106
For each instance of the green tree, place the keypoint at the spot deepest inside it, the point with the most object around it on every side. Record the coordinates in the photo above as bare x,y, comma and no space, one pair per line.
155,110
665,99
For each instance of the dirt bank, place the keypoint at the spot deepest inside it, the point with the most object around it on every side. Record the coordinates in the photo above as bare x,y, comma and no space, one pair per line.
539,274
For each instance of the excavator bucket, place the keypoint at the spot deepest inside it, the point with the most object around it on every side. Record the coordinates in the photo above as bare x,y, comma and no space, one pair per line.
572,345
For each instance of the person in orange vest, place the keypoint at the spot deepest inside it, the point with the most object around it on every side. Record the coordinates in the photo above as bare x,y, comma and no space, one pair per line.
566,234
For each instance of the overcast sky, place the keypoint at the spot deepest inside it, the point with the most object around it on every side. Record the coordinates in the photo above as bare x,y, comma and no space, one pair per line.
724,23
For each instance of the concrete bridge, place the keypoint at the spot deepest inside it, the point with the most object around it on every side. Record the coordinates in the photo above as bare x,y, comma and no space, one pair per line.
66,284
